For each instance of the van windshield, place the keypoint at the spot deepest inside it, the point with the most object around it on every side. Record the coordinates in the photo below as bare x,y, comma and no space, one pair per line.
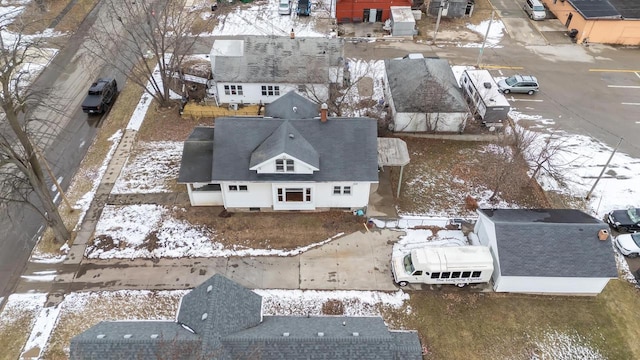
284,6
408,265
511,81
538,8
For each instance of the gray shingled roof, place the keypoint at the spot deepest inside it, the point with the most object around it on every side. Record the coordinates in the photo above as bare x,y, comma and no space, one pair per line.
233,330
197,156
342,338
347,148
629,9
285,139
423,86
279,59
596,9
292,106
147,340
551,243
229,307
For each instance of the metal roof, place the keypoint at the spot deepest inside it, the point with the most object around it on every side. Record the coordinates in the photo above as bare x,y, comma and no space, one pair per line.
551,243
423,86
346,147
275,59
596,9
629,9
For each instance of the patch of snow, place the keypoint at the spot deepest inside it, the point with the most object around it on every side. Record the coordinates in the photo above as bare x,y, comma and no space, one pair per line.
564,346
20,303
416,239
39,337
149,168
42,278
496,31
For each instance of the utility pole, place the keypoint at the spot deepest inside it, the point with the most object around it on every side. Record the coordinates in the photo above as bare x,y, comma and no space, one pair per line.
603,169
484,41
435,33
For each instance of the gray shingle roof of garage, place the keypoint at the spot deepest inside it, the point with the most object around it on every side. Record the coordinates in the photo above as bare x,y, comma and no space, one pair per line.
148,340
280,59
292,106
347,148
285,139
197,156
372,339
595,9
423,86
551,243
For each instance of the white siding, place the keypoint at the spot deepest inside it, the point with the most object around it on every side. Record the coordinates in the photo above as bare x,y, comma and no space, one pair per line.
358,198
409,122
252,92
486,231
204,198
550,285
439,122
258,195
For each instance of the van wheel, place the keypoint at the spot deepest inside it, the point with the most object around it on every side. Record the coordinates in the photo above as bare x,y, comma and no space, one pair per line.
506,91
633,255
403,283
461,285
530,92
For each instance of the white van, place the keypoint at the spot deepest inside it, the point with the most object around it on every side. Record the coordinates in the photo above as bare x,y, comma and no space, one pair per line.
284,8
535,9
459,265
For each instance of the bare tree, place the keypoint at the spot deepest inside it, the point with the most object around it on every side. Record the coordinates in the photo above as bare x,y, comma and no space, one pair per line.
22,131
142,30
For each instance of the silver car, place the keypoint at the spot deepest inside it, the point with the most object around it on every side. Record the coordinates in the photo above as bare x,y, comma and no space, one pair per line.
525,84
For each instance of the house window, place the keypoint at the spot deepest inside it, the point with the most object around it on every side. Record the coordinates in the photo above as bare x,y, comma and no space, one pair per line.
342,190
294,194
282,164
238,188
208,187
270,90
243,188
233,90
233,187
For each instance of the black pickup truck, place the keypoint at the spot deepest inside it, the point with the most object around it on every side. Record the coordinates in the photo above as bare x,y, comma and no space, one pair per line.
101,96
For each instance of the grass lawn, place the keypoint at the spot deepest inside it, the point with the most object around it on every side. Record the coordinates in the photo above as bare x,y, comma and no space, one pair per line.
457,324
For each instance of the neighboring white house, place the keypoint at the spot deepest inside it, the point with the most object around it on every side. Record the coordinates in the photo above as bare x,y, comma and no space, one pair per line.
548,251
423,96
265,164
260,69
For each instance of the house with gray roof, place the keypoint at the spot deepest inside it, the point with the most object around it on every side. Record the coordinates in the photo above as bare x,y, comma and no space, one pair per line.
267,164
547,251
260,69
423,96
222,320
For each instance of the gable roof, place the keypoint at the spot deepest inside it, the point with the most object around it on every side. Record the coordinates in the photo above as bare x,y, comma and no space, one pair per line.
285,139
292,106
197,156
346,148
596,9
235,329
275,59
551,243
437,91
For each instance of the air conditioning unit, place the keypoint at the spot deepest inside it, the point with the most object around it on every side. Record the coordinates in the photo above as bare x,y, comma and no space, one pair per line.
233,107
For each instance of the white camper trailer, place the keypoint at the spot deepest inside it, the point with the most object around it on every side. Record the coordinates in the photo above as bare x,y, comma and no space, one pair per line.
459,265
485,100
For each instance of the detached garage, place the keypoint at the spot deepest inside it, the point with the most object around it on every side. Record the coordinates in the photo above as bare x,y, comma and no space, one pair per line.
547,251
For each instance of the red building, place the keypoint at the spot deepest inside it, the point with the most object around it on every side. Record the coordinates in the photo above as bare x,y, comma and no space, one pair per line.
366,10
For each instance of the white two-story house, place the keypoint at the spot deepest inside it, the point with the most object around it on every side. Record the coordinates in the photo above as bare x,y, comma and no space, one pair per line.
260,69
267,164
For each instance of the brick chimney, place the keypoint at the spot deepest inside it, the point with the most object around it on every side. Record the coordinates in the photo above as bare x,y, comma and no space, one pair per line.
323,112
293,34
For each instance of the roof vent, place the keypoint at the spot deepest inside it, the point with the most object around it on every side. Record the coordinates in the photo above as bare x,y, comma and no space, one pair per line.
101,336
291,136
285,334
204,316
154,336
209,288
603,234
127,336
320,334
344,323
356,334
295,109
487,85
